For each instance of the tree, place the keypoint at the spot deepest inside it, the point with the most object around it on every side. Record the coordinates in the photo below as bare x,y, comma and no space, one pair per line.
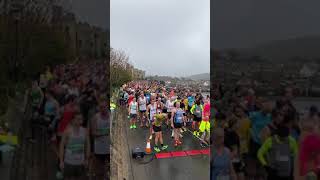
120,68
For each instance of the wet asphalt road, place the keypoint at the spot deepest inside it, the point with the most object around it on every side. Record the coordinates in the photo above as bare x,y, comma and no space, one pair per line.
176,168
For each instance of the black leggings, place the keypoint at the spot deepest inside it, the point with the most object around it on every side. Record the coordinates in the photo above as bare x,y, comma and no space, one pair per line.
272,175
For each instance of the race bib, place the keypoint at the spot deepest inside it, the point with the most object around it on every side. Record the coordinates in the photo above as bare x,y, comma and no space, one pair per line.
282,158
76,149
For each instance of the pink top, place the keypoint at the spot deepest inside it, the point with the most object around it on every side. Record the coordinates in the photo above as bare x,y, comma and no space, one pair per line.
206,111
309,148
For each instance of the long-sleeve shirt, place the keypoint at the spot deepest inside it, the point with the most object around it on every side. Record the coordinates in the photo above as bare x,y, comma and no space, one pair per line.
194,107
267,145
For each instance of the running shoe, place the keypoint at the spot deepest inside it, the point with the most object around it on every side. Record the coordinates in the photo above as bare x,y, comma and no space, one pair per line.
157,149
131,127
181,130
198,134
164,147
59,175
181,136
175,143
202,144
172,134
195,133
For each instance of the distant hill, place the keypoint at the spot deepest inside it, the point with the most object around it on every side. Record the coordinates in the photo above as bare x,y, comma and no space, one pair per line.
203,76
306,47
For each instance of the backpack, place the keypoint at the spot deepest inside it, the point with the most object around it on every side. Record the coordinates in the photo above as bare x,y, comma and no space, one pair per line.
198,111
280,157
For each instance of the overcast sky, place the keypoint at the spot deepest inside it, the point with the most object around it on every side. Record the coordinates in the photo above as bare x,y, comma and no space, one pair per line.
245,23
163,37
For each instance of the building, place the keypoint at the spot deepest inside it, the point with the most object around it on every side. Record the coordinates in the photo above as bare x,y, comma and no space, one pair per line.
138,74
84,40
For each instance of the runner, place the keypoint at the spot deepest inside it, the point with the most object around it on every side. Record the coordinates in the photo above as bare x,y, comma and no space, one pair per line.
100,130
52,114
205,123
242,126
170,107
259,120
232,142
133,106
191,100
221,167
37,97
158,120
280,150
152,111
159,105
177,119
196,111
142,103
74,150
271,129
69,111
186,103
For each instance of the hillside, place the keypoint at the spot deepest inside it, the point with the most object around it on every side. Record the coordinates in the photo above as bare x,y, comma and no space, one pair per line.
203,76
307,47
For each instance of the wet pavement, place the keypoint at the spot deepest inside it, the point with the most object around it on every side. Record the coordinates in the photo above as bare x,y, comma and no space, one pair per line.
174,168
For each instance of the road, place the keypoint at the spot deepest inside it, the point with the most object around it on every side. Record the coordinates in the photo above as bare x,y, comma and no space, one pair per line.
173,168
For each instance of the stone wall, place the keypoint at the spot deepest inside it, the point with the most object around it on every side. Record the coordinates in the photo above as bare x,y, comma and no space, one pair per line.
119,147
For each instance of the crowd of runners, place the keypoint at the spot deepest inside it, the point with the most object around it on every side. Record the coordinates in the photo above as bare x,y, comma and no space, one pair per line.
70,101
153,105
262,138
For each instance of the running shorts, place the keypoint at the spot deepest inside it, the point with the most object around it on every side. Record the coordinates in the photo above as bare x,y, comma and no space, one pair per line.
73,170
156,128
133,115
204,126
143,111
101,157
177,125
164,110
237,166
197,119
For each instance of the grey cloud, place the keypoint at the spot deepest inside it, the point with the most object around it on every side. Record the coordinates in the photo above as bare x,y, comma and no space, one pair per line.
163,37
248,22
